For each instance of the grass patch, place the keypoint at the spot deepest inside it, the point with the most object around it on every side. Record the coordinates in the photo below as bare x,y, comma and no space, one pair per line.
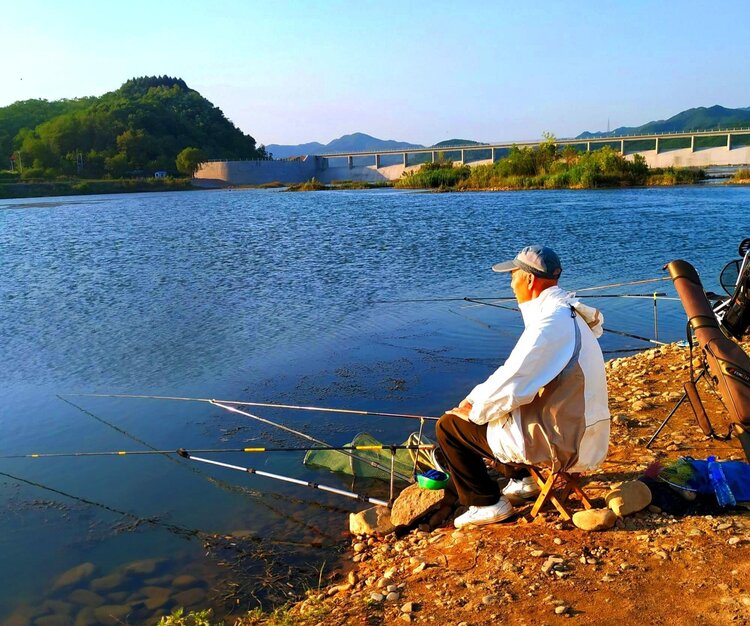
742,175
311,185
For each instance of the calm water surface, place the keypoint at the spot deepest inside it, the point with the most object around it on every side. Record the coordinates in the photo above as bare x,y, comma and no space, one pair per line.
268,296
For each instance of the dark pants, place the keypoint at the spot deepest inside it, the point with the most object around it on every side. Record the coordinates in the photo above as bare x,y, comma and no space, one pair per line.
464,445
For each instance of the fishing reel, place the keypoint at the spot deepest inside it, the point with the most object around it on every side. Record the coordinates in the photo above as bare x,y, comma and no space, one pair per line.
734,312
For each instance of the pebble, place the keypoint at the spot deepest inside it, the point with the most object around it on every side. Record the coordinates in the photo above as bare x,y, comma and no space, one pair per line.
559,610
491,599
393,596
408,607
376,597
733,541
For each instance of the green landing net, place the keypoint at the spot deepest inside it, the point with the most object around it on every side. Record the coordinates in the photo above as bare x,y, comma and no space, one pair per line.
403,463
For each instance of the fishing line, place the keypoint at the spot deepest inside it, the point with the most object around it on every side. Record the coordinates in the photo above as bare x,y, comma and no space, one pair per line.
217,482
606,330
174,528
180,451
182,531
270,405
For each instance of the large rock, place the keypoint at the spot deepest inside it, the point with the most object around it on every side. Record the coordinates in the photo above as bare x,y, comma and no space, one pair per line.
373,521
414,503
74,576
630,497
594,519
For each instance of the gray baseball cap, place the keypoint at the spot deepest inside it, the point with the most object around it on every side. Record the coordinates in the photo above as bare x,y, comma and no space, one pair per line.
538,260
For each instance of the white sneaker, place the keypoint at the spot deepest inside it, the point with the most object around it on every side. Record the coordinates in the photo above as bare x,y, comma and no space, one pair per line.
479,515
522,488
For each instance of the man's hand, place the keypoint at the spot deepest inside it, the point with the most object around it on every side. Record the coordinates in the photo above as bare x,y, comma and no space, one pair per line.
462,410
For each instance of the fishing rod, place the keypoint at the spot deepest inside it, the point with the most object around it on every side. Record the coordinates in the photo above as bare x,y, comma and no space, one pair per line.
249,470
225,404
181,451
661,295
270,405
320,442
632,282
216,482
606,330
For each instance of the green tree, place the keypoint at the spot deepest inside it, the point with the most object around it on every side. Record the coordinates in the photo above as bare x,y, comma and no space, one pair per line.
189,160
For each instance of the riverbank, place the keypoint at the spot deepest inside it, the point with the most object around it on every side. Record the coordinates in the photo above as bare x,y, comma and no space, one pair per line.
91,187
651,567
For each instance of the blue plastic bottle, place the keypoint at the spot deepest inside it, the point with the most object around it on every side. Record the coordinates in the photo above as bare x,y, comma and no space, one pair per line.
724,494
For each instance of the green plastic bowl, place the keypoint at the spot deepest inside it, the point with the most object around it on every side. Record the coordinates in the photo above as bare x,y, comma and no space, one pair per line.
429,483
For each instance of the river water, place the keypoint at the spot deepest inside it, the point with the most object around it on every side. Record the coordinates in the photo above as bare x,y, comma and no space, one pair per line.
274,297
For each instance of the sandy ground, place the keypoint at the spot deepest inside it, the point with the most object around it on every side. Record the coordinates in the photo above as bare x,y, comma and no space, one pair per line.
651,568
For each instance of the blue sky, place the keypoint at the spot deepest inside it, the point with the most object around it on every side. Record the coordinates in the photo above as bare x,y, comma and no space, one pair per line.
293,71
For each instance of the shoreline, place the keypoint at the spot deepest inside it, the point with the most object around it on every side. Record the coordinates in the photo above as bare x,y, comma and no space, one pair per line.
502,573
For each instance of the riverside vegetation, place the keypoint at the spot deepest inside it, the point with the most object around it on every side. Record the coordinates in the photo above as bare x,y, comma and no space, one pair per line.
547,167
150,124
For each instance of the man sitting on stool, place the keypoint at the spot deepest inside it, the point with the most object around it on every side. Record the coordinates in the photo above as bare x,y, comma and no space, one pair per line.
546,405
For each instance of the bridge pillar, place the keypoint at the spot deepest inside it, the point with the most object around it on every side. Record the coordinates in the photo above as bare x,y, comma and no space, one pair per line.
622,147
493,155
729,141
463,158
377,161
588,146
434,157
350,161
692,143
657,145
406,160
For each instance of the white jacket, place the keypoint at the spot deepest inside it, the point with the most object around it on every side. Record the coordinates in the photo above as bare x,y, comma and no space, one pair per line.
547,404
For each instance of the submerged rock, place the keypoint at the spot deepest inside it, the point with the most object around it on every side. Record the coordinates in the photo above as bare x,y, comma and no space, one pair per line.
111,614
53,620
86,598
190,597
107,583
373,521
144,567
74,576
86,617
185,581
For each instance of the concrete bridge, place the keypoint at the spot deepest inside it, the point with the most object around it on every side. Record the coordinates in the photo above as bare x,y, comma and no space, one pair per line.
691,149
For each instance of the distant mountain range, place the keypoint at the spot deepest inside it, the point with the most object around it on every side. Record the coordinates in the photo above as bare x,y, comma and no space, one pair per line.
701,118
356,142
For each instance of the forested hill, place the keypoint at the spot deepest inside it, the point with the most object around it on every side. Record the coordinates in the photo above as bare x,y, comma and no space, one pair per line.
700,118
136,130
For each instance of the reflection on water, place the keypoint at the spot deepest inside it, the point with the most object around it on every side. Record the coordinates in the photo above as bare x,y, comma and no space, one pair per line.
275,297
